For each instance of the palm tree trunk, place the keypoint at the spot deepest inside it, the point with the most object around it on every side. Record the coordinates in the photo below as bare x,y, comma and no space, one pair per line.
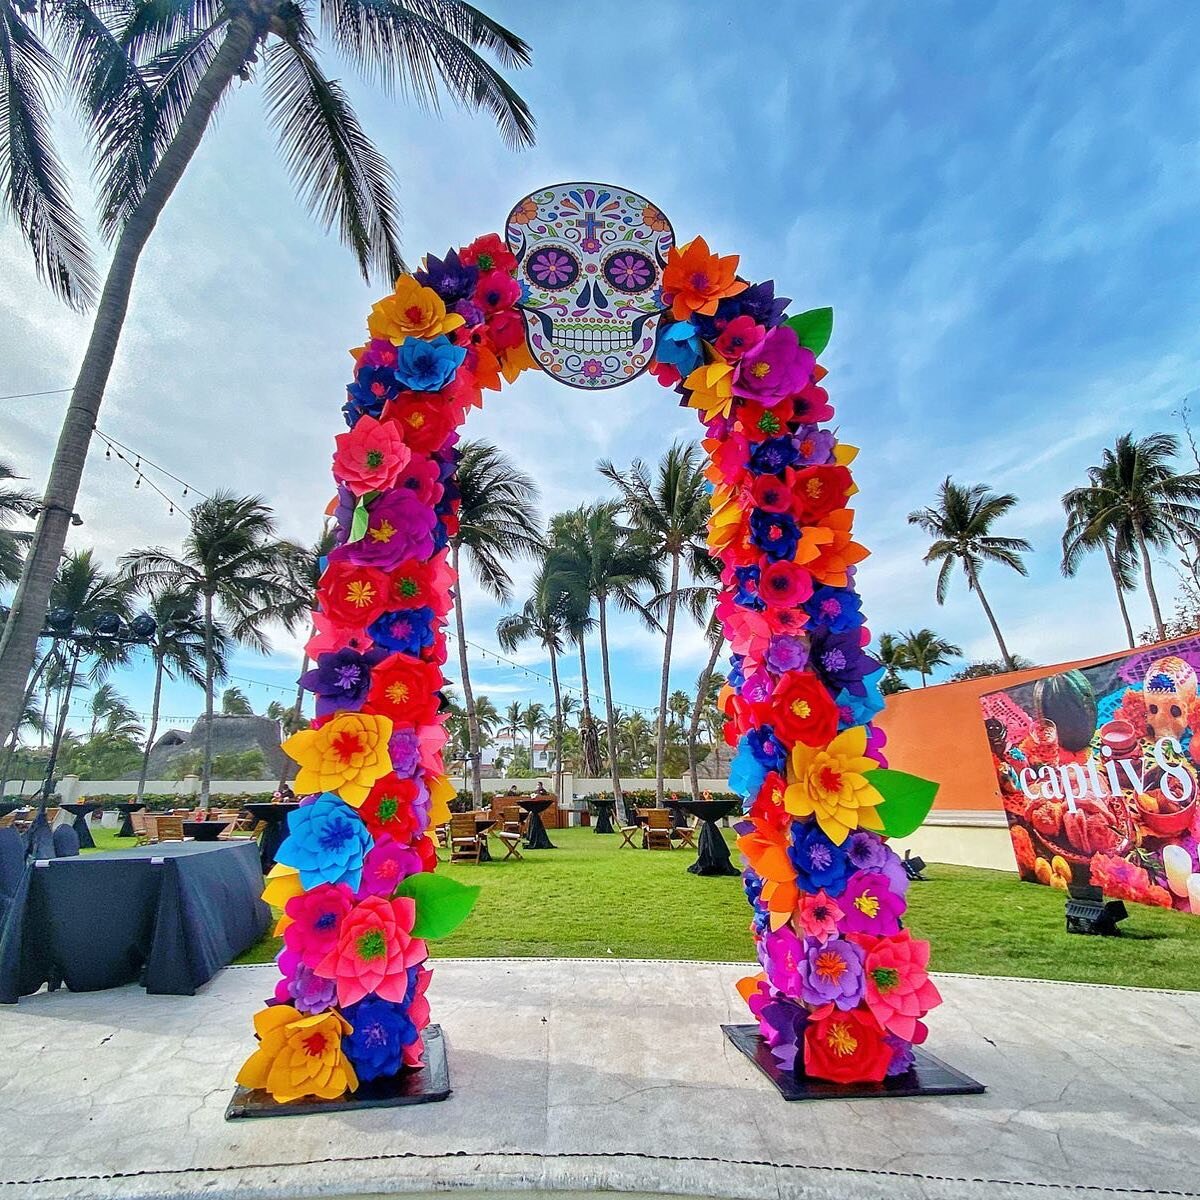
589,743
923,679
287,762
468,695
1112,568
987,608
19,642
558,723
613,762
1148,575
158,674
697,710
664,686
206,764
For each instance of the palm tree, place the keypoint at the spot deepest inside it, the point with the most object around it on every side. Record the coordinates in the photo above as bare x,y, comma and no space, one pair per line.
15,504
497,522
512,722
1136,497
542,618
592,555
533,721
149,78
701,599
671,512
924,652
235,703
894,659
1082,506
232,561
102,702
290,719
960,524
178,653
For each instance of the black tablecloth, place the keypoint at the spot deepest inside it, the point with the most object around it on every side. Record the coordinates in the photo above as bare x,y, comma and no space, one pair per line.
170,916
712,851
127,810
604,815
80,824
536,837
274,816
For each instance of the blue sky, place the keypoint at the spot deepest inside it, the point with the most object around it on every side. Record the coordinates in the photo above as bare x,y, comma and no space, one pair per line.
1000,202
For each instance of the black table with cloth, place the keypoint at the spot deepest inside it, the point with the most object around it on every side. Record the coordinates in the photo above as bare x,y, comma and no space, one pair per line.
604,815
168,916
80,823
274,815
127,809
204,831
536,837
712,851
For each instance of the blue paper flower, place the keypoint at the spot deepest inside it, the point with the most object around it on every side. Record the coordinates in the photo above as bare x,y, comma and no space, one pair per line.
381,1030
818,862
770,457
838,609
679,346
427,366
752,885
746,773
747,588
372,388
408,630
776,534
858,710
766,747
326,842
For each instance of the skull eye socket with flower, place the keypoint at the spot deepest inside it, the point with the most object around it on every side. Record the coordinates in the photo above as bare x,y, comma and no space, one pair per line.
590,263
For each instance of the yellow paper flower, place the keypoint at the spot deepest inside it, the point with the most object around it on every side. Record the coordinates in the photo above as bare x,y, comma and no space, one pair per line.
711,386
282,884
299,1056
346,755
441,792
832,784
411,311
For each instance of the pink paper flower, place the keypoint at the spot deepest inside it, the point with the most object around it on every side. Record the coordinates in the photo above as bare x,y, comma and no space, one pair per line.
818,915
784,584
870,905
316,918
778,367
386,866
370,456
898,988
375,948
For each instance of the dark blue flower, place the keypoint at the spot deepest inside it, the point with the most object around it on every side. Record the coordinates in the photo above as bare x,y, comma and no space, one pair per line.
766,748
372,388
773,455
409,630
449,277
735,676
776,534
747,588
758,302
838,609
427,366
839,659
381,1030
752,885
341,680
818,862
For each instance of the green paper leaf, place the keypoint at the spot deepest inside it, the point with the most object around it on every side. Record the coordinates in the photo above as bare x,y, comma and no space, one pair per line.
907,800
442,903
358,526
814,328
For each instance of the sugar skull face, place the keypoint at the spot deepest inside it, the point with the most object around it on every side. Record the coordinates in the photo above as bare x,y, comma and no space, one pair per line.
1169,692
590,258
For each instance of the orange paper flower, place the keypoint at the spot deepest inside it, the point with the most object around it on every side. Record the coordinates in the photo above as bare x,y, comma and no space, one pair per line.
697,279
411,311
299,1056
832,784
345,756
839,551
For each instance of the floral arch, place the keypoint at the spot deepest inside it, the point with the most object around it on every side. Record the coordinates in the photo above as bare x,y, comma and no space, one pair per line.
588,285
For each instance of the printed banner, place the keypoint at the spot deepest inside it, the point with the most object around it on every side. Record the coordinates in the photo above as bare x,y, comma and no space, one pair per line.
1098,772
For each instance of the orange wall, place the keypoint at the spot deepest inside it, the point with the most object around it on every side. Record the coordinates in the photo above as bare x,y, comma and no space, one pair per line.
937,733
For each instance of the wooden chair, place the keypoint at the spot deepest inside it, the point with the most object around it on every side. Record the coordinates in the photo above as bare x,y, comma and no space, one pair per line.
168,829
632,834
466,845
7,820
511,842
658,829
146,828
685,835
442,832
512,820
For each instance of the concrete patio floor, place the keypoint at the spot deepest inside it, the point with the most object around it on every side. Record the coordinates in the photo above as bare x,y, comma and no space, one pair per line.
586,1076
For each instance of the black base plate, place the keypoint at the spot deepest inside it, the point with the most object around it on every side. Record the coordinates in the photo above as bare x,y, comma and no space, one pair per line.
425,1085
928,1076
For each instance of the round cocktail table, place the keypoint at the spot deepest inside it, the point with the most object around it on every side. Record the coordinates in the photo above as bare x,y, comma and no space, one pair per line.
712,851
274,816
536,837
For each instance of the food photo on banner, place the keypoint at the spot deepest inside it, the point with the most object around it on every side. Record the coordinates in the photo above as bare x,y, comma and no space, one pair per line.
1098,771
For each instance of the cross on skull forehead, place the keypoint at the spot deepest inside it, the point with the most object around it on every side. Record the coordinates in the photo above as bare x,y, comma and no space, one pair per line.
590,258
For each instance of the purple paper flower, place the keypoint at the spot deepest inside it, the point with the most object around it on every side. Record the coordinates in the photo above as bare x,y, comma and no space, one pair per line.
870,905
782,955
785,652
786,1022
340,680
902,1054
399,527
776,368
813,446
839,659
405,751
758,302
449,277
865,850
820,865
387,865
301,987
832,973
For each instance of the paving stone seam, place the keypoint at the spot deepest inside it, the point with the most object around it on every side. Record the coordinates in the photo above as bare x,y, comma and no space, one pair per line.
626,1155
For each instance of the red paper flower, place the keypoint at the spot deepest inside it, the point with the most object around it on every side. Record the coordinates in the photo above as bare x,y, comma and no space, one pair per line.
496,291
405,689
817,491
424,424
488,253
389,809
801,710
846,1047
422,584
374,951
784,584
352,595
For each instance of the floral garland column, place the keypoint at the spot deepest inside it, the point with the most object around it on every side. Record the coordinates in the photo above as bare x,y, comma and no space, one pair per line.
355,875
843,986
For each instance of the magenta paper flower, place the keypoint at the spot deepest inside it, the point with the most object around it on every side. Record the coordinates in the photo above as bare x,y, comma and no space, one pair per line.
387,864
316,917
399,527
832,973
778,367
418,1014
783,953
421,477
375,948
870,905
899,991
818,915
301,986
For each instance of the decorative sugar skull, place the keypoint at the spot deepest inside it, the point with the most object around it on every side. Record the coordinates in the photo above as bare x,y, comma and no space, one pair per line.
1169,692
590,260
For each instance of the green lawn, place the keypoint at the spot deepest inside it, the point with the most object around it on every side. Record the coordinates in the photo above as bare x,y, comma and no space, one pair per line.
590,899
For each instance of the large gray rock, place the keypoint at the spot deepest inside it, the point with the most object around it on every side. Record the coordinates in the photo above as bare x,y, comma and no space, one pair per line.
231,735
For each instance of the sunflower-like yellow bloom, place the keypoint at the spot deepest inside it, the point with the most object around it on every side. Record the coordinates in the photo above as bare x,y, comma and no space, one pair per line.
345,756
711,386
832,784
411,311
282,884
299,1056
